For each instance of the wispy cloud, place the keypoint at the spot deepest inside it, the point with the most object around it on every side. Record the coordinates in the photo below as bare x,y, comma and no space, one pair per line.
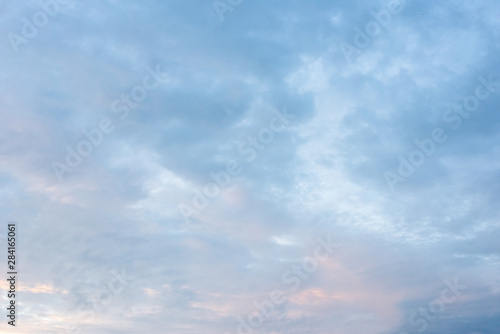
206,192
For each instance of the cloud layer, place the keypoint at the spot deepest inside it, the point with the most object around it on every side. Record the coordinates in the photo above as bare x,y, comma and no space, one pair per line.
238,137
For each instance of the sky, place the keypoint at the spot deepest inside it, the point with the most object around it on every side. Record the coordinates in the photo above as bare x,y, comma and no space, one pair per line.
237,166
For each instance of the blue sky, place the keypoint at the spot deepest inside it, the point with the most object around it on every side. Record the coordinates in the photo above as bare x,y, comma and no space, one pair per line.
172,165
